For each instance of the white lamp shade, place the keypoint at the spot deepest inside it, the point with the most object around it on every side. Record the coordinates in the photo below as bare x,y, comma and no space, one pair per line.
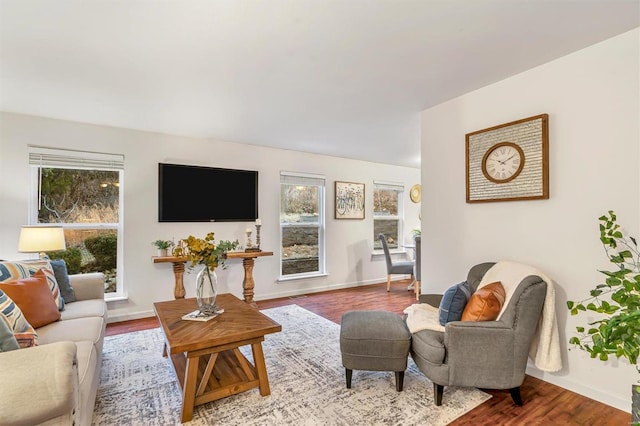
35,239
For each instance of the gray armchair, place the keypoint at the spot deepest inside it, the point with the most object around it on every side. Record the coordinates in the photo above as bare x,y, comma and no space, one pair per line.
488,354
397,266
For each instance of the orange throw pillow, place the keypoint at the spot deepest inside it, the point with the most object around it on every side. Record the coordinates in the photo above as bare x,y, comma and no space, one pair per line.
485,304
34,298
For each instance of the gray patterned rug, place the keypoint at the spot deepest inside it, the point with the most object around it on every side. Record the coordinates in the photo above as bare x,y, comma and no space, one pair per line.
306,377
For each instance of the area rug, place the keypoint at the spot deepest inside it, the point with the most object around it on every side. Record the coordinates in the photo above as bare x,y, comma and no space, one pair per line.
307,381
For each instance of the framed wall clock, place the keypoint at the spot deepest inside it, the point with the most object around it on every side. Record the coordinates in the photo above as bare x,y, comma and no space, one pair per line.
509,162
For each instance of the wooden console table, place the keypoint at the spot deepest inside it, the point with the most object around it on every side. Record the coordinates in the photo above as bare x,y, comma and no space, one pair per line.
248,260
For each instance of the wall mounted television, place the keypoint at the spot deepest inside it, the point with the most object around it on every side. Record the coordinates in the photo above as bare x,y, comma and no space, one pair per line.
206,194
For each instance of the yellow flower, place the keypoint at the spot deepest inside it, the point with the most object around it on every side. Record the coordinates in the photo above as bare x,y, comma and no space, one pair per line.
206,252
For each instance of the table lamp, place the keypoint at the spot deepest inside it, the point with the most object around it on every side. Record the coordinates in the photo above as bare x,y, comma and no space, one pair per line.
39,239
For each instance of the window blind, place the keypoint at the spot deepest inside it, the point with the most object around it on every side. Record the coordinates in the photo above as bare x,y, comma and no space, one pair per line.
67,158
390,186
306,179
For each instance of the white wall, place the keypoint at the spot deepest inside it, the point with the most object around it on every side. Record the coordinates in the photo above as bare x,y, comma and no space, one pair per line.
349,242
592,98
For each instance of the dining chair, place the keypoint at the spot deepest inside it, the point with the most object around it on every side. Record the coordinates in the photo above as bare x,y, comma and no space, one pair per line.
397,266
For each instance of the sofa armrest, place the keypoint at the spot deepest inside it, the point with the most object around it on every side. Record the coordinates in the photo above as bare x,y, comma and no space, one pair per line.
88,286
39,384
493,342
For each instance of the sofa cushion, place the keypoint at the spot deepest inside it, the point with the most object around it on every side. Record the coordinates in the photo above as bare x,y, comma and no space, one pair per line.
8,341
22,330
485,304
23,269
429,344
33,297
453,302
62,277
83,309
74,330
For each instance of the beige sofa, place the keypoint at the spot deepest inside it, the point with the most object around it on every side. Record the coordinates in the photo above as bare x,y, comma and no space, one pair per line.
55,383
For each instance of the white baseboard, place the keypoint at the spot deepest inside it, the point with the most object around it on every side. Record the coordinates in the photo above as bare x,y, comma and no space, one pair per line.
317,289
130,316
595,394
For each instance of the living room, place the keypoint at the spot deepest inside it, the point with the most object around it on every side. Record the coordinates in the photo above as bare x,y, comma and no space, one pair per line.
592,98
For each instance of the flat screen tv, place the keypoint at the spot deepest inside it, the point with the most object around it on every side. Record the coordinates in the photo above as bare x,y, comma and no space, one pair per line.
206,194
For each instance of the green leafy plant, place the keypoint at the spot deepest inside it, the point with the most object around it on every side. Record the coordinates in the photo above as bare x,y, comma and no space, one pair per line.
72,256
617,300
205,251
104,250
162,244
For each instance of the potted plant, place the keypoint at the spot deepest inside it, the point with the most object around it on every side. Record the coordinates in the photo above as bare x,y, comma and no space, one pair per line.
617,332
162,246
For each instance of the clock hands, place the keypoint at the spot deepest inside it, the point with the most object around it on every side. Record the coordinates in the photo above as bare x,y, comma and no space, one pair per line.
503,162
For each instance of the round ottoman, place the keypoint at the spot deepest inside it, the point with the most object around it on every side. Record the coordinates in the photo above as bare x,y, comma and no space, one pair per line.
374,341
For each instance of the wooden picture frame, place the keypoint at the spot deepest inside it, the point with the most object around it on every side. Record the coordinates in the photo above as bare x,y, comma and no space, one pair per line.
349,200
509,162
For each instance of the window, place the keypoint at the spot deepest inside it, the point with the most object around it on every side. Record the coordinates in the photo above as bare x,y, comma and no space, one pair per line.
82,191
388,213
301,225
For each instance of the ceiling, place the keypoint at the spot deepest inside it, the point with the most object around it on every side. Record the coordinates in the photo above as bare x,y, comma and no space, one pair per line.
345,78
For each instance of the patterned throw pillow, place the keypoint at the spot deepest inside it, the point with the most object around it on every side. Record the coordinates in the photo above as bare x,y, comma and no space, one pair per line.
8,341
22,330
453,303
24,269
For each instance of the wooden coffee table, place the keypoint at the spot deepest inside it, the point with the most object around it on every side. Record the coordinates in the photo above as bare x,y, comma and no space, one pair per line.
205,355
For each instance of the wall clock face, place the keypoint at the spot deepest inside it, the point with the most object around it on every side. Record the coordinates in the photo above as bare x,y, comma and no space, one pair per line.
503,162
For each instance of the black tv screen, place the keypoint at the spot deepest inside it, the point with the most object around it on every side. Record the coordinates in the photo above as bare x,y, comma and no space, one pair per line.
206,194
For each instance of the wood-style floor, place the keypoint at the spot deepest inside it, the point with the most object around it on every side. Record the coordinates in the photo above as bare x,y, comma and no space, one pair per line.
544,403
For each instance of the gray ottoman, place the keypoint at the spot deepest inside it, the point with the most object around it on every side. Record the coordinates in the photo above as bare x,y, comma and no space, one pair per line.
374,341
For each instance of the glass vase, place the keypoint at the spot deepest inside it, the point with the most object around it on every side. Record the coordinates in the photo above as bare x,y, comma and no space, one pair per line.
206,291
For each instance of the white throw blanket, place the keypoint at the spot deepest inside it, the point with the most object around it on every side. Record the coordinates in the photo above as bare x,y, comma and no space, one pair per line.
545,347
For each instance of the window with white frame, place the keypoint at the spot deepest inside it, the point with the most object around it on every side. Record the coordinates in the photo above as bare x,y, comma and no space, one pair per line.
301,224
388,213
82,192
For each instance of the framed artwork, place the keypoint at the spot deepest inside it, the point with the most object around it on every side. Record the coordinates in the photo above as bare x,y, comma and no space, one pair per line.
349,200
509,162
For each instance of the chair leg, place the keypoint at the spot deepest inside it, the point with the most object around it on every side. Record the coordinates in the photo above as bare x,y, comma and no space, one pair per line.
417,289
399,380
437,393
515,395
388,282
348,376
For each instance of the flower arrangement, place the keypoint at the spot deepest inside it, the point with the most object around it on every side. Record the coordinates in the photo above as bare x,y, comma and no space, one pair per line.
206,252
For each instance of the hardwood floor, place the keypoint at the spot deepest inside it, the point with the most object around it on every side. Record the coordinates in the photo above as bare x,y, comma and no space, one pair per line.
544,403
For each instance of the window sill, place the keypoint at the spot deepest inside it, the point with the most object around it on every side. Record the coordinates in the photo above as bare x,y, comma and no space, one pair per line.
115,299
301,277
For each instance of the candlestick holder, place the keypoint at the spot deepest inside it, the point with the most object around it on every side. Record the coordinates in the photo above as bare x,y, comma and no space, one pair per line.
248,238
258,236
